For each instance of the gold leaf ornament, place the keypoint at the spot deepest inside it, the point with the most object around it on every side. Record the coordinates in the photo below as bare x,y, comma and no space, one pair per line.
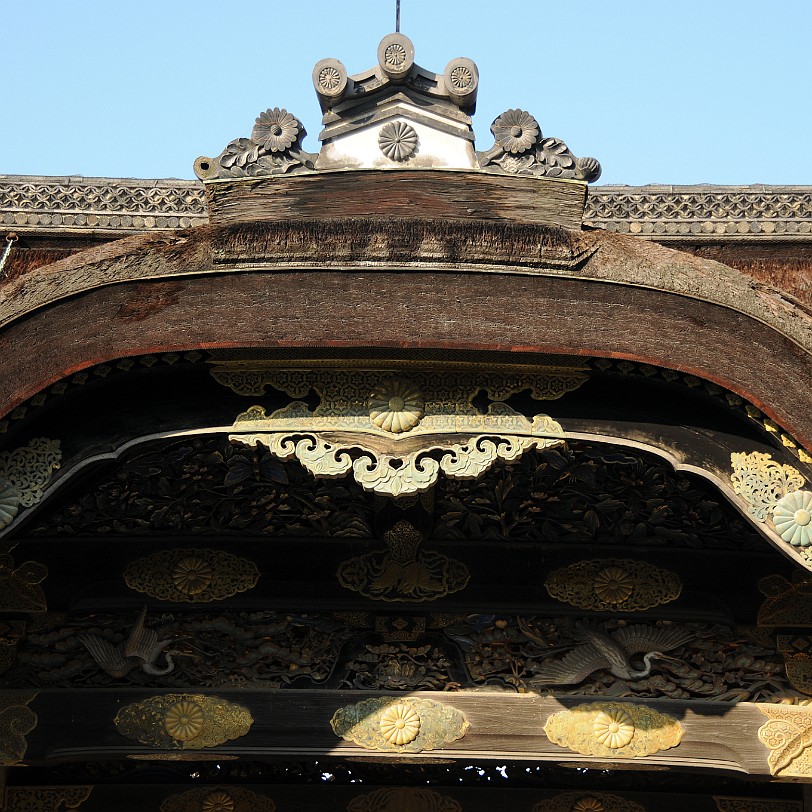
614,584
192,575
614,728
217,801
396,406
400,724
184,720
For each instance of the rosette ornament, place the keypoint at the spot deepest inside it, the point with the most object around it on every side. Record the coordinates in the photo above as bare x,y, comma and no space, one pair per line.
9,502
400,724
792,517
397,140
276,129
184,720
614,728
515,131
396,406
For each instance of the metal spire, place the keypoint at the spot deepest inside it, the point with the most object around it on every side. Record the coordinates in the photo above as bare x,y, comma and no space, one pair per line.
397,16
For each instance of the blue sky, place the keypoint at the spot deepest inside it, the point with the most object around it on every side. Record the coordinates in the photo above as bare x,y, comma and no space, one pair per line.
696,91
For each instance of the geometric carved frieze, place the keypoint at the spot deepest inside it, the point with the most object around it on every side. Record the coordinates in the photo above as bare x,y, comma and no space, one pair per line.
620,585
788,735
24,473
408,725
613,730
45,799
183,721
400,799
587,802
16,721
395,434
191,576
218,799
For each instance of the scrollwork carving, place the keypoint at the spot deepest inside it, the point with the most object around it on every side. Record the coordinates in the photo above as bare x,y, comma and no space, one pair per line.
756,805
24,474
788,735
396,799
762,482
45,799
426,725
20,589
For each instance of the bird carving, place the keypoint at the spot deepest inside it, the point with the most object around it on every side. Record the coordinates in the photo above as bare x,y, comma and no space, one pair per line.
141,650
613,652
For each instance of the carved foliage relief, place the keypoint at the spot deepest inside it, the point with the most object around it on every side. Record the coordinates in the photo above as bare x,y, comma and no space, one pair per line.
45,799
788,735
16,721
24,474
397,799
218,799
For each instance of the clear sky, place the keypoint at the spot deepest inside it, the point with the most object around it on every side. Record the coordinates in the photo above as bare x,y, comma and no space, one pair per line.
660,91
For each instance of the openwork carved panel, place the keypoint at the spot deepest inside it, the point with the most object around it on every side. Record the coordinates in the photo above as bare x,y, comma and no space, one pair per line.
620,585
395,435
191,576
587,802
762,482
408,725
613,730
756,805
24,473
183,721
218,799
786,603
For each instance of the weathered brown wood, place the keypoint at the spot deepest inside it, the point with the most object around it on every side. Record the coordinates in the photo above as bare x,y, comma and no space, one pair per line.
413,309
399,194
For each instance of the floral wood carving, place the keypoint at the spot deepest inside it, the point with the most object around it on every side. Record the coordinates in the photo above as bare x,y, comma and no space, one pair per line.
17,720
788,735
756,805
521,149
20,589
45,799
183,721
399,799
792,517
587,802
218,799
191,576
613,730
399,725
374,425
404,573
275,148
762,482
207,486
24,473
622,585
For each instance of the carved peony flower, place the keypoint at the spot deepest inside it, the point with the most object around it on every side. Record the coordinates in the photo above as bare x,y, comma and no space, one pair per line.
397,140
613,728
184,720
276,129
217,801
9,502
792,517
515,131
396,406
400,724
588,804
613,585
192,575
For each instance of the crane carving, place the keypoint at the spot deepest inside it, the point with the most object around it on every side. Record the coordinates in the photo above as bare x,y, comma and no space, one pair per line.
141,650
612,651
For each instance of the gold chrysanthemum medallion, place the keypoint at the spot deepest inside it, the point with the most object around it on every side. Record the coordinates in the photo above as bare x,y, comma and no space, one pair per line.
614,585
184,720
614,728
588,804
396,406
218,801
400,724
192,575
